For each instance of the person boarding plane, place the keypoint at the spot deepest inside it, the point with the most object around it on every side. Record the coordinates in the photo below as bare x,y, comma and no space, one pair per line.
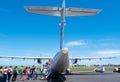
60,61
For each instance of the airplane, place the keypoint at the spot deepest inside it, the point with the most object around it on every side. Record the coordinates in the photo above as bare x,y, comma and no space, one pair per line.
60,62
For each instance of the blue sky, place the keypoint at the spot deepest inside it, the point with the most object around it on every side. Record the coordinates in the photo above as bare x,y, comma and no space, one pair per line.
26,34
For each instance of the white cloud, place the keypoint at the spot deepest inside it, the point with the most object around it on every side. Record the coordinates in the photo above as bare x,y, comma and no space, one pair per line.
109,53
76,43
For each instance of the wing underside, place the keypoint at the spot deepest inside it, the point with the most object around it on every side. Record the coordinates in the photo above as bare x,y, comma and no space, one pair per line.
45,58
54,11
22,57
81,12
90,58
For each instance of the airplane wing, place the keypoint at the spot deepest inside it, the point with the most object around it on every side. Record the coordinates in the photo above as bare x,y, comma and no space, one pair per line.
56,11
46,58
89,58
22,57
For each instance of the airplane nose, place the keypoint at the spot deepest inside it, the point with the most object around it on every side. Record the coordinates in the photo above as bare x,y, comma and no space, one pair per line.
65,51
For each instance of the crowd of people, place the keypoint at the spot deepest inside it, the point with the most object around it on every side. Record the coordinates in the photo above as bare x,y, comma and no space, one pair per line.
25,73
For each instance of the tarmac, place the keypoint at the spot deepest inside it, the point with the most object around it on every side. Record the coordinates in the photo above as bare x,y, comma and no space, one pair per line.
95,77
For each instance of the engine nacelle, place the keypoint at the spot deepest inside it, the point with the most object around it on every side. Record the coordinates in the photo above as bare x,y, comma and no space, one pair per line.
75,61
39,61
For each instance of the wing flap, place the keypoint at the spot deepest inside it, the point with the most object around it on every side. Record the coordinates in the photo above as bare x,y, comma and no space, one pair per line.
54,11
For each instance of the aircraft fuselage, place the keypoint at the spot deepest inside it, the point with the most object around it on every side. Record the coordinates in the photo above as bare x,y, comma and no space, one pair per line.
60,61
